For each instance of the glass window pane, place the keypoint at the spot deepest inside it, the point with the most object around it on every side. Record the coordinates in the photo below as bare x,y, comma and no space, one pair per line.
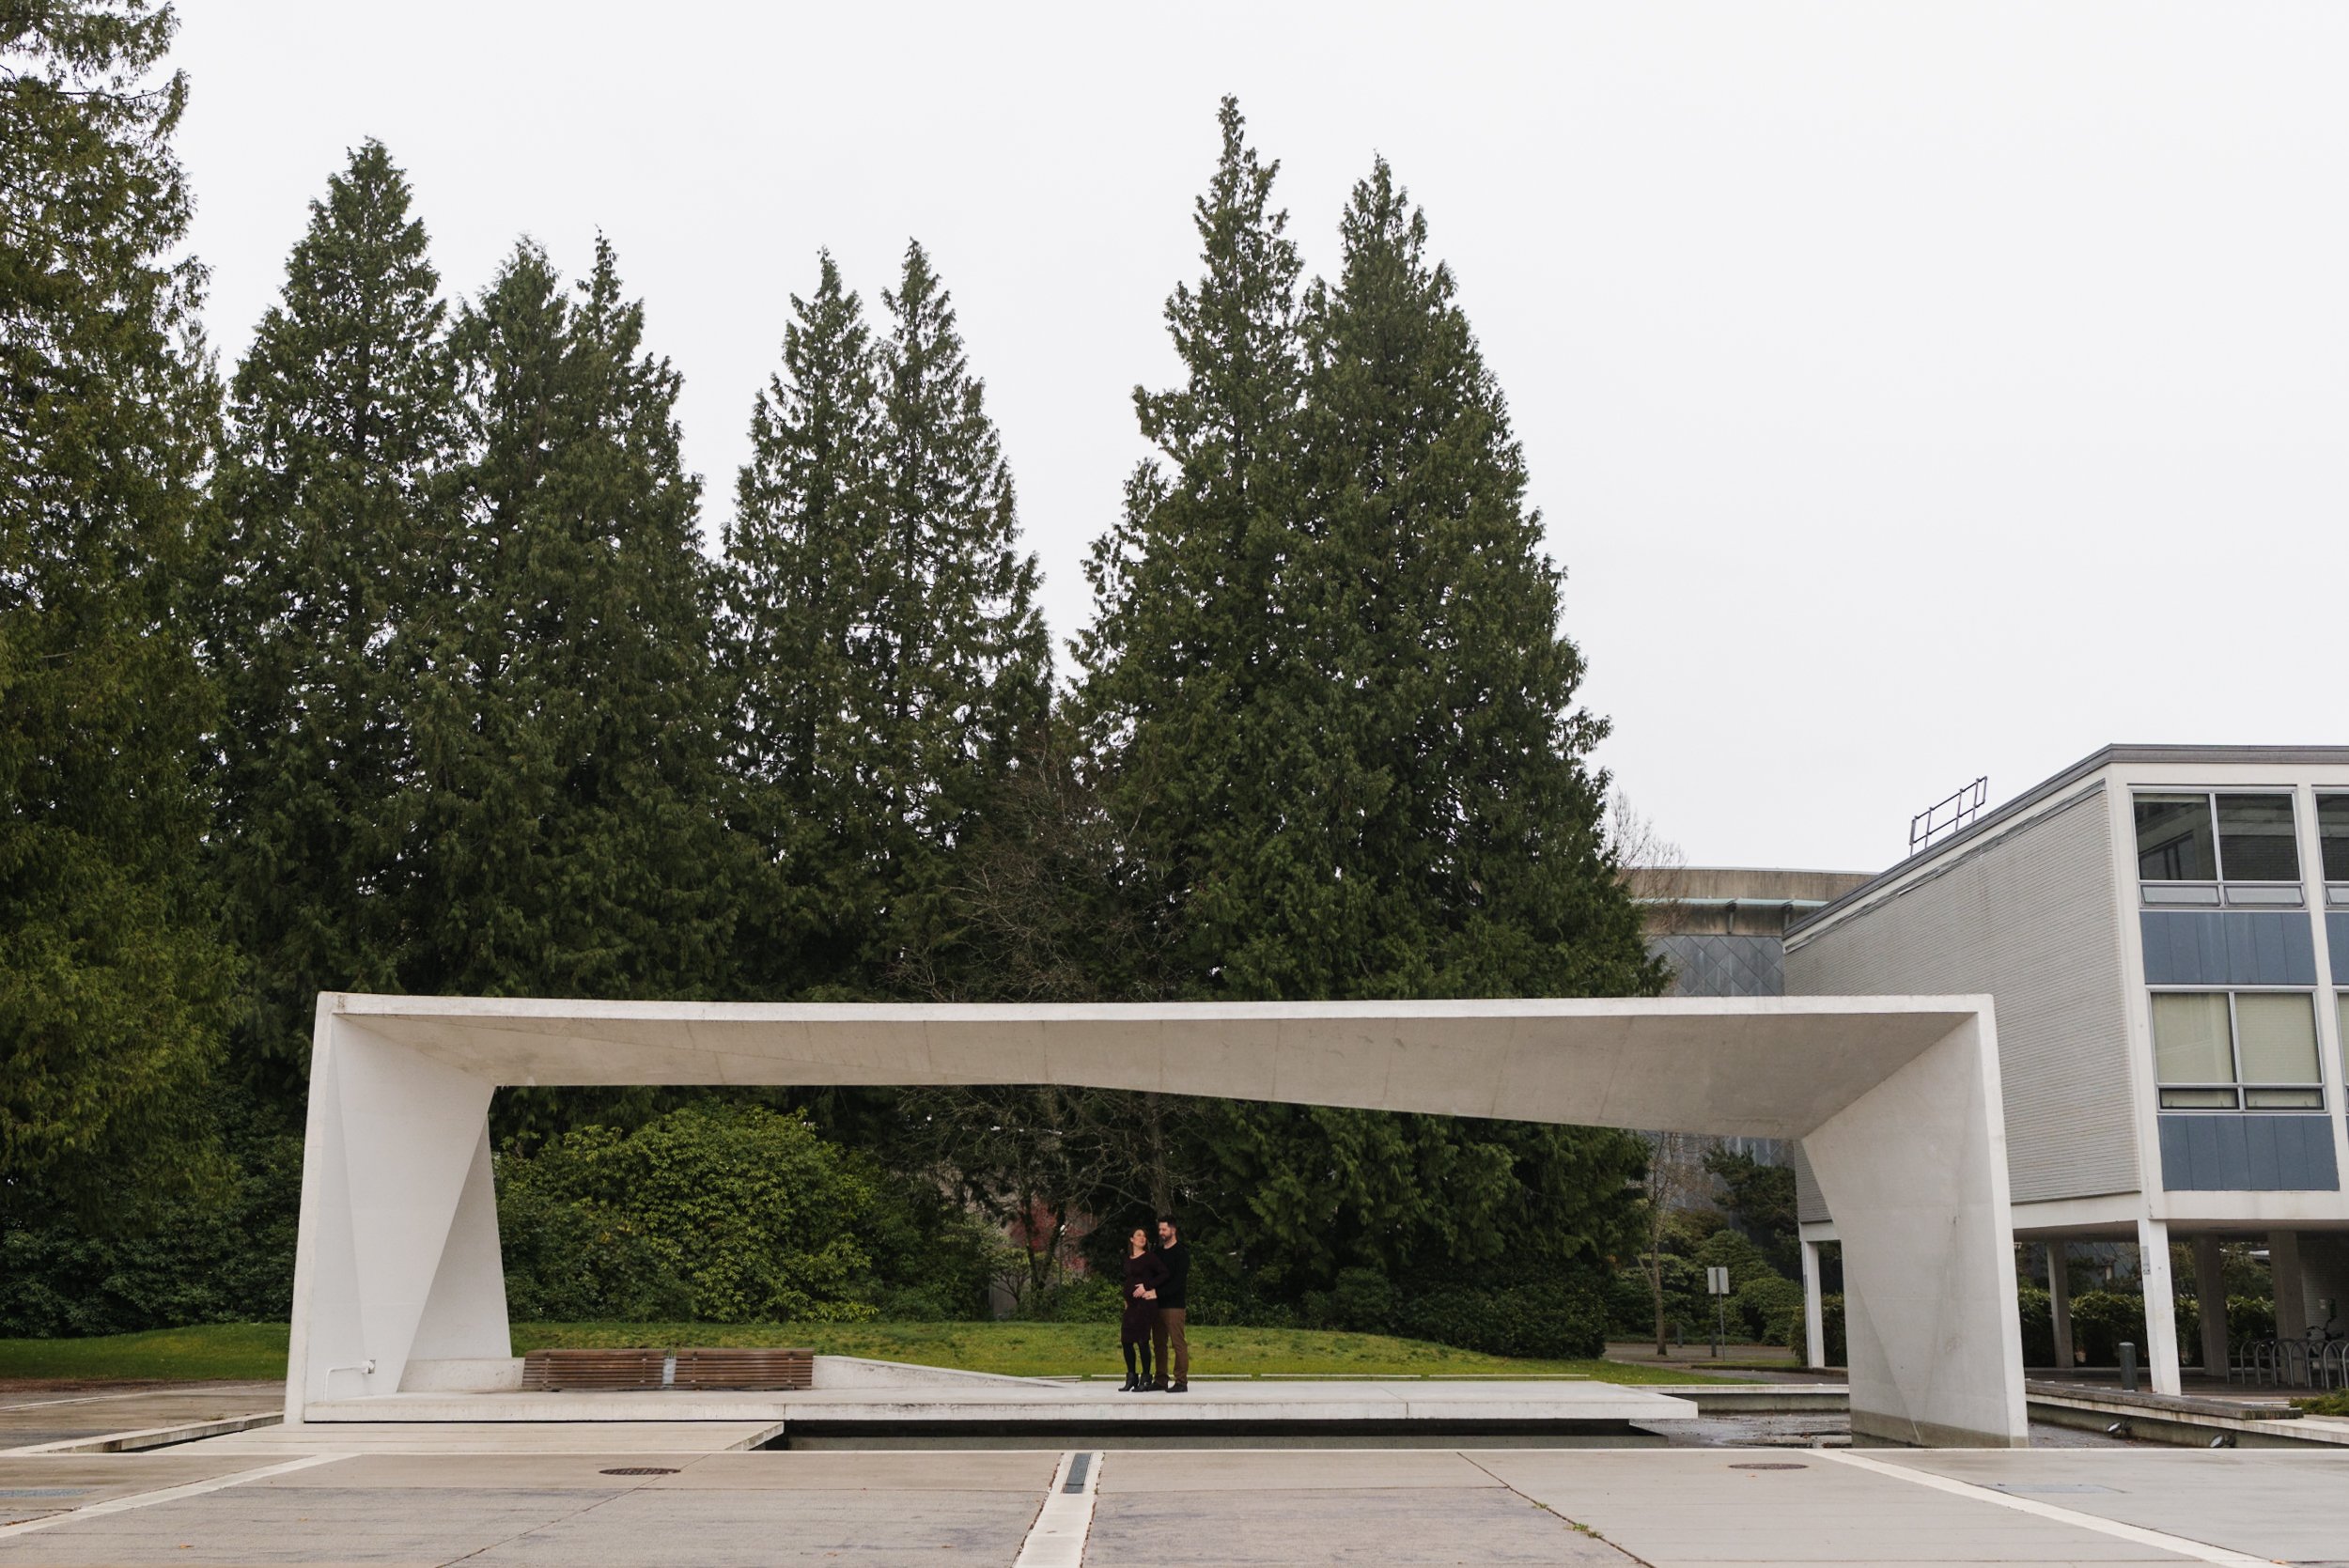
2284,1099
2276,1037
2332,830
2173,842
2190,1038
2198,1099
2255,841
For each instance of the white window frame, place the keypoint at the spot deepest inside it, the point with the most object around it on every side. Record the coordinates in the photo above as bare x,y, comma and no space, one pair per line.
2240,1087
2222,891
2336,892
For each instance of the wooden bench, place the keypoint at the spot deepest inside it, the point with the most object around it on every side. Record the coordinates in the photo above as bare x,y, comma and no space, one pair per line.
604,1371
745,1366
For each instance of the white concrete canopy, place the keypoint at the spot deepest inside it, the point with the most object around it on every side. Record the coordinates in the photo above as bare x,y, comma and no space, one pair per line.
1895,1100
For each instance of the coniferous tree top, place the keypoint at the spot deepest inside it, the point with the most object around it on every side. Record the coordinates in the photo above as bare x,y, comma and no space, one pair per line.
568,798
895,674
343,427
1454,830
1325,681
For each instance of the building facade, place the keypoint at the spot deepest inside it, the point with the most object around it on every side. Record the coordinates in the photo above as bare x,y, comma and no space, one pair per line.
2165,932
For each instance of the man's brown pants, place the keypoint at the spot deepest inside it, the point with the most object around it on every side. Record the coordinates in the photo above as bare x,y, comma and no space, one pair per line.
1169,1335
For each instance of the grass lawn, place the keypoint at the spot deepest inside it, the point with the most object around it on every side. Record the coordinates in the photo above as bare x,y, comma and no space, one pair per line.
213,1351
1032,1349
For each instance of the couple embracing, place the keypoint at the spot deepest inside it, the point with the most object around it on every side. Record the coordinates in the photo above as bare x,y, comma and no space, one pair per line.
1156,1299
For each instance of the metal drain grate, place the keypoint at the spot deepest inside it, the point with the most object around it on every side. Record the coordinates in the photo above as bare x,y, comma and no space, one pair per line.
640,1469
1771,1465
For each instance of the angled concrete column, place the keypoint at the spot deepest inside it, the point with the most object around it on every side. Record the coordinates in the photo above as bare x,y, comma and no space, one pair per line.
2210,1302
2161,1308
398,1239
1914,1172
1814,1309
2060,1302
2291,1301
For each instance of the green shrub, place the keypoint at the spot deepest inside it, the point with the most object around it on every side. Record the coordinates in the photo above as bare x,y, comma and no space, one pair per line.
1567,1321
1631,1304
1727,1249
1361,1301
1092,1298
1789,1330
714,1212
2249,1317
1756,1307
223,1258
2038,1315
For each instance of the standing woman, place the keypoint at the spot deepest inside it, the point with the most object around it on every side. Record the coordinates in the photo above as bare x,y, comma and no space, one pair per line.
1144,1274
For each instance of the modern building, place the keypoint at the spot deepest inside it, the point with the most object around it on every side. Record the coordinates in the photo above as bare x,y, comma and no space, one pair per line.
1723,928
2164,933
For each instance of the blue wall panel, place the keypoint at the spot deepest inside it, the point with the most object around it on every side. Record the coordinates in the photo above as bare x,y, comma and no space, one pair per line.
2229,947
2336,937
2248,1153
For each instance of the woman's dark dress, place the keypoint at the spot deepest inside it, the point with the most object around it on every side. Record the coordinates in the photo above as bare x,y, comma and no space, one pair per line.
1142,1313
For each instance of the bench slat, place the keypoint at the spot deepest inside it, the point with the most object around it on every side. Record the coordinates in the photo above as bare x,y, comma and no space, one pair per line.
601,1370
746,1367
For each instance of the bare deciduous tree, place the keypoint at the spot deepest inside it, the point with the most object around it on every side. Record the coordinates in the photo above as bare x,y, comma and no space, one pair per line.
1675,1177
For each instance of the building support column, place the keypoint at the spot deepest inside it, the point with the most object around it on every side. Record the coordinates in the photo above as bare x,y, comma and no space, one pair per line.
2210,1303
2060,1302
2291,1301
2161,1310
1814,1309
2324,1277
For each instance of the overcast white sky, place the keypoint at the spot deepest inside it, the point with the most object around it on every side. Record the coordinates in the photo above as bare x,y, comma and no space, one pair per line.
1911,391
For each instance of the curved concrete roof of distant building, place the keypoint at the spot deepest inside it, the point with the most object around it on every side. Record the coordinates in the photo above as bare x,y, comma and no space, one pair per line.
1716,884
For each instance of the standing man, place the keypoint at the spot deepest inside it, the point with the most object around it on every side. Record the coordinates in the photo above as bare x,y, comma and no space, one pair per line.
1173,1305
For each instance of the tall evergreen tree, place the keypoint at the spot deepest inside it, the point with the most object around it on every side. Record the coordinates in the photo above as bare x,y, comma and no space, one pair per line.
807,664
567,719
1182,701
896,675
966,666
1325,688
342,427
1447,839
113,984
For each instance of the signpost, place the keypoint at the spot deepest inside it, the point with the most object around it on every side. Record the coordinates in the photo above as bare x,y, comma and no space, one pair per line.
1717,1286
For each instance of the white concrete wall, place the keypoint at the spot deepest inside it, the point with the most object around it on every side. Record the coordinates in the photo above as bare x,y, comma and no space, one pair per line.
1914,1172
2029,916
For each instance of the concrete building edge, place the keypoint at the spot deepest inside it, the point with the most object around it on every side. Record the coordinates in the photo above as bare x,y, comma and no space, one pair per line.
1889,1430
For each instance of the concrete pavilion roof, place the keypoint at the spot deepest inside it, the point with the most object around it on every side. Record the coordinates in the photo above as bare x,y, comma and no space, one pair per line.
1774,1067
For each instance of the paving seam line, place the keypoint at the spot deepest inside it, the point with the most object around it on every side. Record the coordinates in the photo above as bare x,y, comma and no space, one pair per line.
1057,1539
169,1493
2135,1535
135,1394
1559,1513
639,1485
155,1437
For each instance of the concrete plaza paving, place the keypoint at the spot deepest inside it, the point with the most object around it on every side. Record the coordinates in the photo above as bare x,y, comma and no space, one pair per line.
35,1413
524,1494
